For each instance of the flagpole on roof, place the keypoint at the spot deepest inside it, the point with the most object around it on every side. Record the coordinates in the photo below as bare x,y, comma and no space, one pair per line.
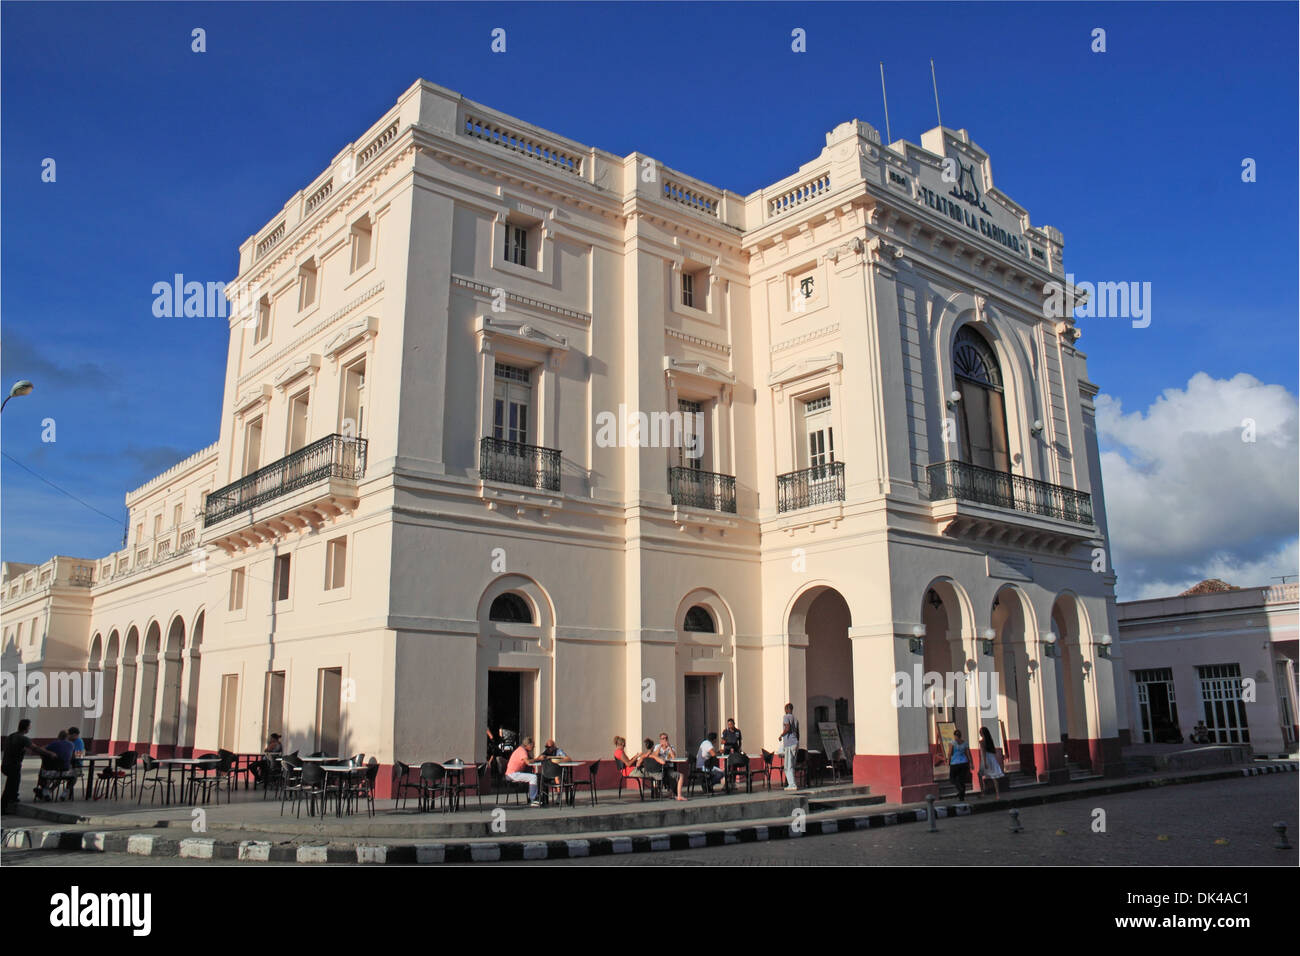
936,92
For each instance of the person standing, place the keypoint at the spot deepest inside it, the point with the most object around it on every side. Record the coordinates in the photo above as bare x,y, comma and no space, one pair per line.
789,745
959,765
990,766
17,746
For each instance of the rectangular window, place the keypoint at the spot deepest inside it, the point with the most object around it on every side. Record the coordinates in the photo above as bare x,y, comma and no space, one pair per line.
273,705
177,514
353,420
237,589
695,289
139,532
282,577
690,453
329,692
36,628
511,400
1157,707
336,559
688,289
157,525
297,422
307,285
253,445
361,238
516,244
263,328
1225,711
228,718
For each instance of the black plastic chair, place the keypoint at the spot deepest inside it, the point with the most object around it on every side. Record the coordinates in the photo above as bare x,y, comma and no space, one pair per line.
742,766
154,780
501,784
290,783
433,781
589,782
120,771
403,785
361,786
550,779
310,788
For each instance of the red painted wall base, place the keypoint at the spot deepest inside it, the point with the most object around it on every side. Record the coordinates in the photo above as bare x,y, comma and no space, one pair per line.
900,778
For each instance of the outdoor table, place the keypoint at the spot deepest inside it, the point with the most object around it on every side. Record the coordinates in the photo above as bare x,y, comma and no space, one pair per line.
455,768
340,770
171,763
91,761
244,764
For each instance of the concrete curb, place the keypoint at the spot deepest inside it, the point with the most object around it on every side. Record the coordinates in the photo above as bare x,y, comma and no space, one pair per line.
525,849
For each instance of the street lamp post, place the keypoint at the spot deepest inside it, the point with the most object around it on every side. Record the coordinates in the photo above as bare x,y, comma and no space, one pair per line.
23,387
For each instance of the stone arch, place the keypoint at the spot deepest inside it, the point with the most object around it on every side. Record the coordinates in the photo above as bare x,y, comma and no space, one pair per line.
1014,626
1075,666
173,669
704,667
821,665
516,667
190,687
104,723
148,678
126,695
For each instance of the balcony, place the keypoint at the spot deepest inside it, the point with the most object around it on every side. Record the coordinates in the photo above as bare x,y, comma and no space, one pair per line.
984,486
334,457
818,485
693,488
518,464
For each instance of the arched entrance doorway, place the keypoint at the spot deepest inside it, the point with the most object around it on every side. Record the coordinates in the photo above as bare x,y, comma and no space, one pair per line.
819,621
1015,718
1072,673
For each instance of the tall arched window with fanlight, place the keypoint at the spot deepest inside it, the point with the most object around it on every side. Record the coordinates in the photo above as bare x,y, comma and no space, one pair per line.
982,413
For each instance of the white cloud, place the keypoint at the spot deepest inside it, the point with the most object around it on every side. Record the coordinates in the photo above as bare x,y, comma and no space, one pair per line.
1187,498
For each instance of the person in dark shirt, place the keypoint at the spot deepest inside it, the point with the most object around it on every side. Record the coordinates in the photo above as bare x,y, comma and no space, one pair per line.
57,768
17,746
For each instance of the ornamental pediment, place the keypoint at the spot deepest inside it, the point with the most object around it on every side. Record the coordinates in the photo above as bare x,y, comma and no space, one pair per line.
698,369
812,365
252,396
488,327
367,327
305,365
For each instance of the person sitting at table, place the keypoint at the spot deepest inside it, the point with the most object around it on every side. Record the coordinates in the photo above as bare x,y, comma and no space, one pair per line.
515,770
273,745
731,738
661,757
552,750
627,766
258,767
56,767
708,750
78,746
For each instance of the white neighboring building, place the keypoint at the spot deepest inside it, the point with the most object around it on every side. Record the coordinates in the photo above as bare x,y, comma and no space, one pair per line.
425,508
1219,655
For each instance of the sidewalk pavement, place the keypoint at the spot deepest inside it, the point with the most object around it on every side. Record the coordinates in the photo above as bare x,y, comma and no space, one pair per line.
520,833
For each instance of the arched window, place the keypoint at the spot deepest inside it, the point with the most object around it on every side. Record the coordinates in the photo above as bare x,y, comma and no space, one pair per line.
699,619
510,608
983,414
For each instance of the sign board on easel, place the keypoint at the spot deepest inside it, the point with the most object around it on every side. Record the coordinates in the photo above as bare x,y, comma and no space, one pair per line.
944,731
831,741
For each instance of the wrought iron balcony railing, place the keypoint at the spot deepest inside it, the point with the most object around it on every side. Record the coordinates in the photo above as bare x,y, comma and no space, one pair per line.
332,457
702,489
818,485
518,464
957,479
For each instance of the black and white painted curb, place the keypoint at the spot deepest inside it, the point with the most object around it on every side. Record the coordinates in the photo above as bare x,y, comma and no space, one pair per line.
202,848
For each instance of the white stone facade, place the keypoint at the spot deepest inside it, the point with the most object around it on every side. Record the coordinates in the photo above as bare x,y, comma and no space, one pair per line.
891,463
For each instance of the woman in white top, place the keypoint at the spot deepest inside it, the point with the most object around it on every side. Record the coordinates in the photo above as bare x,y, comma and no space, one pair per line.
990,766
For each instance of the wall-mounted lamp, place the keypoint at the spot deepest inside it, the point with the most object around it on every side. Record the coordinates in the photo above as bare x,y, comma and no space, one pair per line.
986,641
1103,646
936,602
916,643
1037,427
953,398
1049,644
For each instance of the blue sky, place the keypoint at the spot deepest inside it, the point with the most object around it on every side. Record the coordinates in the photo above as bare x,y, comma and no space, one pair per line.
168,159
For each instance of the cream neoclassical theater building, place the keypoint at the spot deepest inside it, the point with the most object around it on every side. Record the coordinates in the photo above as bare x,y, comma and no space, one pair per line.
863,452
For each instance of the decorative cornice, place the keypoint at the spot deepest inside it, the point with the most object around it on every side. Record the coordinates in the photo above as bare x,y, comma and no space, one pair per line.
807,337
527,302
489,330
696,340
251,397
